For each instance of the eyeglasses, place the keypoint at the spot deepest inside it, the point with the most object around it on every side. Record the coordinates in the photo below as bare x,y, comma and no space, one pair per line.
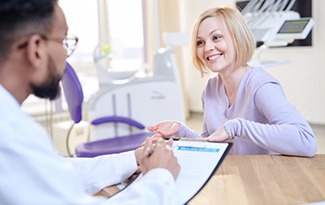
69,42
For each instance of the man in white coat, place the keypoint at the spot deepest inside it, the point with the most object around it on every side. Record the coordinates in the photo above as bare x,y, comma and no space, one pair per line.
34,45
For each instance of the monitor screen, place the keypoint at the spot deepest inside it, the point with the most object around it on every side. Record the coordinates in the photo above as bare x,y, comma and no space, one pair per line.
294,26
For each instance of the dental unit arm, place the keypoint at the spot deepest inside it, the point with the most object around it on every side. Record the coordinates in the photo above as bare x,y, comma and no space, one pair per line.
274,24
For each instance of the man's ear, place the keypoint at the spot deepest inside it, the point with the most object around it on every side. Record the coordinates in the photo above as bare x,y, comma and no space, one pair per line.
36,50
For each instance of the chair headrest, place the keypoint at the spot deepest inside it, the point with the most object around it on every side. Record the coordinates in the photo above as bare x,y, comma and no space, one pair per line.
73,93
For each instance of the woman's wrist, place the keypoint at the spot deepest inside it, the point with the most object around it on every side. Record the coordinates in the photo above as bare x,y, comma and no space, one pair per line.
229,136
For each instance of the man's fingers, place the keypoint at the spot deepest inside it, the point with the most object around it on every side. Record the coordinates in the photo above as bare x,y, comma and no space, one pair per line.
170,142
148,149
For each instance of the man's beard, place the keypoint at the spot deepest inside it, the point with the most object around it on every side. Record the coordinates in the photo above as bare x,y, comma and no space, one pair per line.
51,88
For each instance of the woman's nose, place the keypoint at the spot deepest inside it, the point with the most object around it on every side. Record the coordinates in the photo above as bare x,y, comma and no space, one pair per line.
209,45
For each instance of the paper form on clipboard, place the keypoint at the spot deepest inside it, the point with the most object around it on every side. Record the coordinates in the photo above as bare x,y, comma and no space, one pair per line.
198,160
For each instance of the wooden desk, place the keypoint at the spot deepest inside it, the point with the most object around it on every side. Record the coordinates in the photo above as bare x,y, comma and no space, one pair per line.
265,179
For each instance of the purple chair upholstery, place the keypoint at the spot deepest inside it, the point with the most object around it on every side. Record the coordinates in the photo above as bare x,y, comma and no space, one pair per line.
111,146
74,97
73,93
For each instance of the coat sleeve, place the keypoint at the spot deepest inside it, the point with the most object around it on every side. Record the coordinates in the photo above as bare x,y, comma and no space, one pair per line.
102,171
156,187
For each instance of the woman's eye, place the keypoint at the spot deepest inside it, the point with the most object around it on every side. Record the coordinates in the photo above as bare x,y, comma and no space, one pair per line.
199,43
217,38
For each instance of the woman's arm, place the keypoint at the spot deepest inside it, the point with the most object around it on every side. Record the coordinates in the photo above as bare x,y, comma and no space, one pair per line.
286,132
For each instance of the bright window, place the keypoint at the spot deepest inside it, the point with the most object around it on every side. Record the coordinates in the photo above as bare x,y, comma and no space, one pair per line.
123,20
82,18
126,28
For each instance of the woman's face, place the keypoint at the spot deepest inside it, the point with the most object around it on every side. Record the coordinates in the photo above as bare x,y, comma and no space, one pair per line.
215,47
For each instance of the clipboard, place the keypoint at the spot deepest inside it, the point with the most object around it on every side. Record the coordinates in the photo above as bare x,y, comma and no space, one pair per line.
199,160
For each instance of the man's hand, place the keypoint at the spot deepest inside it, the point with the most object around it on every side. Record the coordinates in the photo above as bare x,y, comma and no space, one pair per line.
159,155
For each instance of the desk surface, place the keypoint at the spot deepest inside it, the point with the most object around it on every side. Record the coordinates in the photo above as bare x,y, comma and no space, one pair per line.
265,179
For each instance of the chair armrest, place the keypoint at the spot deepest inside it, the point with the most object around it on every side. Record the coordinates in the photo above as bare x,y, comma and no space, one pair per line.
118,119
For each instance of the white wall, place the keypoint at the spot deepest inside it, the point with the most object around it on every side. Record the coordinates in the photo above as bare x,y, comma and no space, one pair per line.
303,78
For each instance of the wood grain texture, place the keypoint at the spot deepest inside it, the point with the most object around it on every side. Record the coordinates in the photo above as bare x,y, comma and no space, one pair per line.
265,179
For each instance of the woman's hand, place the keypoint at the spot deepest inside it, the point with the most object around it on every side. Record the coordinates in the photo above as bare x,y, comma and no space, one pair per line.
219,135
164,129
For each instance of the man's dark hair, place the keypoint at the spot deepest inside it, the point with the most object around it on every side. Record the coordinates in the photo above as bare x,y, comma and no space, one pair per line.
20,18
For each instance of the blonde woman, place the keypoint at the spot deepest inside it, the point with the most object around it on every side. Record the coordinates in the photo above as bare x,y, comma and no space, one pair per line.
242,104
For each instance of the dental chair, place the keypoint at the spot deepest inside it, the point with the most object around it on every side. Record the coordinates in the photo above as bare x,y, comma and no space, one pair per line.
74,97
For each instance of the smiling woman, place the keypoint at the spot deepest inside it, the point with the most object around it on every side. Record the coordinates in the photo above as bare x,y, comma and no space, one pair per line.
241,103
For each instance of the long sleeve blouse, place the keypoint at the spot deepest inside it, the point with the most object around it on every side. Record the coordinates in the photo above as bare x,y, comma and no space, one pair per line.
261,120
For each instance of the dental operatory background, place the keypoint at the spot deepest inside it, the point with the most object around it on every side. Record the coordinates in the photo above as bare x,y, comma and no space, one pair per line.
133,60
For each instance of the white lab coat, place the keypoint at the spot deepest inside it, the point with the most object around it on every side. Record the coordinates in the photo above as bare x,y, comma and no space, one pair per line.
31,171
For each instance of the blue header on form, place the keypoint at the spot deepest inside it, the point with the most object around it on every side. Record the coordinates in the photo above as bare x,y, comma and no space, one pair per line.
198,149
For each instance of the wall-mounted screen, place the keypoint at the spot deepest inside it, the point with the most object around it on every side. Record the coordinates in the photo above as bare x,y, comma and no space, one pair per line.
296,29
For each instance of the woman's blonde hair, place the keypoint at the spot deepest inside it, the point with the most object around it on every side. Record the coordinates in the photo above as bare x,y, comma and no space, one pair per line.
242,36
